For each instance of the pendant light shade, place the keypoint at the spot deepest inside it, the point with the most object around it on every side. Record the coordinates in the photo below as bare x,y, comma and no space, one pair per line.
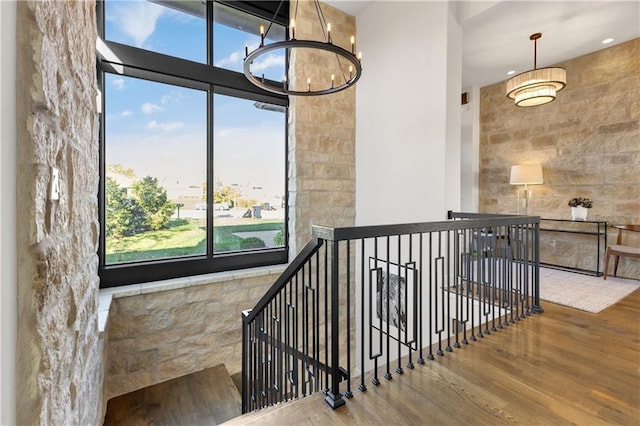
537,86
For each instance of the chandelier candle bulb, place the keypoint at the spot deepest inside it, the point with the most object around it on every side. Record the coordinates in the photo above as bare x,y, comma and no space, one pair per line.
353,44
293,29
333,77
360,56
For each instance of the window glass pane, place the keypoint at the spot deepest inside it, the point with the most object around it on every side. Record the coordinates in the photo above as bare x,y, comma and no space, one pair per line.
249,167
176,28
233,30
155,157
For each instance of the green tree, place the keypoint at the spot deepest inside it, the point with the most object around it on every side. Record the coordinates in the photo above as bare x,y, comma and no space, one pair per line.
123,214
152,199
225,194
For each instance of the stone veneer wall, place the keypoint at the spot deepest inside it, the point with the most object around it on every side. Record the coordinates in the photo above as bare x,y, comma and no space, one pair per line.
588,142
321,136
160,335
157,336
59,351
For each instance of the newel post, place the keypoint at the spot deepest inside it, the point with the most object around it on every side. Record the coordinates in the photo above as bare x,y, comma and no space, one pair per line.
245,362
334,397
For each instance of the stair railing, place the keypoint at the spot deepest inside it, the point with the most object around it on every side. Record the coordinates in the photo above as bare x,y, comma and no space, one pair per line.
397,293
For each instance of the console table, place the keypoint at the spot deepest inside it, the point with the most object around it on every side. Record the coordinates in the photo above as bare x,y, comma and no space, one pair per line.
596,228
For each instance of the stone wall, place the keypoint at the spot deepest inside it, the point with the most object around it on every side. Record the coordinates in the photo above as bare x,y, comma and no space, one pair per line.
59,352
588,142
321,135
160,335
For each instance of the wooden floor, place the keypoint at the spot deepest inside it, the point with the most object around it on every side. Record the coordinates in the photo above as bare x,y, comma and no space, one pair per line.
561,367
208,397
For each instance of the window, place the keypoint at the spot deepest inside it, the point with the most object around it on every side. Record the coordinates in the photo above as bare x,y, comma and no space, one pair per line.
193,156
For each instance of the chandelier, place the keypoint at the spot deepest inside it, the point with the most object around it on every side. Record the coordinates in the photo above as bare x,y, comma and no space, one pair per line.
538,86
343,68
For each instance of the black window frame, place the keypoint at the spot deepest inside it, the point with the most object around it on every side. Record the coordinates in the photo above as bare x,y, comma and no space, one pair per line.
158,67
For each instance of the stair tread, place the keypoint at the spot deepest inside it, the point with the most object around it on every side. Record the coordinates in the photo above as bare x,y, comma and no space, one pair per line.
204,397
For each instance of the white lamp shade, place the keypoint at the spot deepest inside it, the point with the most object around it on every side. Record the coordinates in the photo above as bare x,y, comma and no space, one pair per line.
536,87
529,174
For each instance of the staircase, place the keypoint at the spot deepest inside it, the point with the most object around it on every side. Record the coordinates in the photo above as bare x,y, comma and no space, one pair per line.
422,290
205,397
363,298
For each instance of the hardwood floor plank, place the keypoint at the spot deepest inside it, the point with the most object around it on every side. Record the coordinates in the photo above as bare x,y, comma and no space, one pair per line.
563,366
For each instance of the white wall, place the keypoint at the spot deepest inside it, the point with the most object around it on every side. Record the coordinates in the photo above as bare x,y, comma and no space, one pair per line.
8,269
453,96
402,103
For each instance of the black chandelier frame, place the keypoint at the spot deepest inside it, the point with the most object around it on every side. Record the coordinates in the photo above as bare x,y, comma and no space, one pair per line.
283,88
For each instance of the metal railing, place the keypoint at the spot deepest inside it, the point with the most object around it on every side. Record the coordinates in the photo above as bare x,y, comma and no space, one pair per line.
368,299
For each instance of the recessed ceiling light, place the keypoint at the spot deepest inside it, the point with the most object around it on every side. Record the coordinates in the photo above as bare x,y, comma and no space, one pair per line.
512,72
607,40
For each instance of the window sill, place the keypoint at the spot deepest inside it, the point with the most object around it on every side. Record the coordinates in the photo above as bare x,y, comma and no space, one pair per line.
106,295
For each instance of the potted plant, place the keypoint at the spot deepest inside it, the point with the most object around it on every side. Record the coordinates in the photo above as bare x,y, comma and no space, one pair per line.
579,206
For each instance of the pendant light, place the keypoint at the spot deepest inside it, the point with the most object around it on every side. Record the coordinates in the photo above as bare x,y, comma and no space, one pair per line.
537,86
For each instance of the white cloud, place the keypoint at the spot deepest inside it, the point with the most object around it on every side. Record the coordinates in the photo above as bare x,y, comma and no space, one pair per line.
167,126
233,59
126,113
137,19
271,60
149,108
118,83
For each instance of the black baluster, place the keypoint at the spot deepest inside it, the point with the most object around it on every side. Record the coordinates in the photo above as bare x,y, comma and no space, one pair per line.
399,369
420,287
363,386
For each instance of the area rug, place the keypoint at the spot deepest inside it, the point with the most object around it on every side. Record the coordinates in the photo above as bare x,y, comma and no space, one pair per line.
584,292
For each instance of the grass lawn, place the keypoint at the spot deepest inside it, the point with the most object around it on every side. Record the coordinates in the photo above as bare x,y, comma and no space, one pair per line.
185,237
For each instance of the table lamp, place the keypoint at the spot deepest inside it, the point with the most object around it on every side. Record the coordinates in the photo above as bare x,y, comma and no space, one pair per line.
525,174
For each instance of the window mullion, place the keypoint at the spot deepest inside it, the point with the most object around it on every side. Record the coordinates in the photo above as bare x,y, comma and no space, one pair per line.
210,118
210,21
210,173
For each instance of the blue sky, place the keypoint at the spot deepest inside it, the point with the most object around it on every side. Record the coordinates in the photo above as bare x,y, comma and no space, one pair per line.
160,130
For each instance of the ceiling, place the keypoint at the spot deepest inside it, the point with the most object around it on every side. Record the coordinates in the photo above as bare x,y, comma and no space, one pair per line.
496,33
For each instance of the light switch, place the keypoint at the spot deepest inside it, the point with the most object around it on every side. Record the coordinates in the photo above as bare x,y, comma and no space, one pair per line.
54,194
